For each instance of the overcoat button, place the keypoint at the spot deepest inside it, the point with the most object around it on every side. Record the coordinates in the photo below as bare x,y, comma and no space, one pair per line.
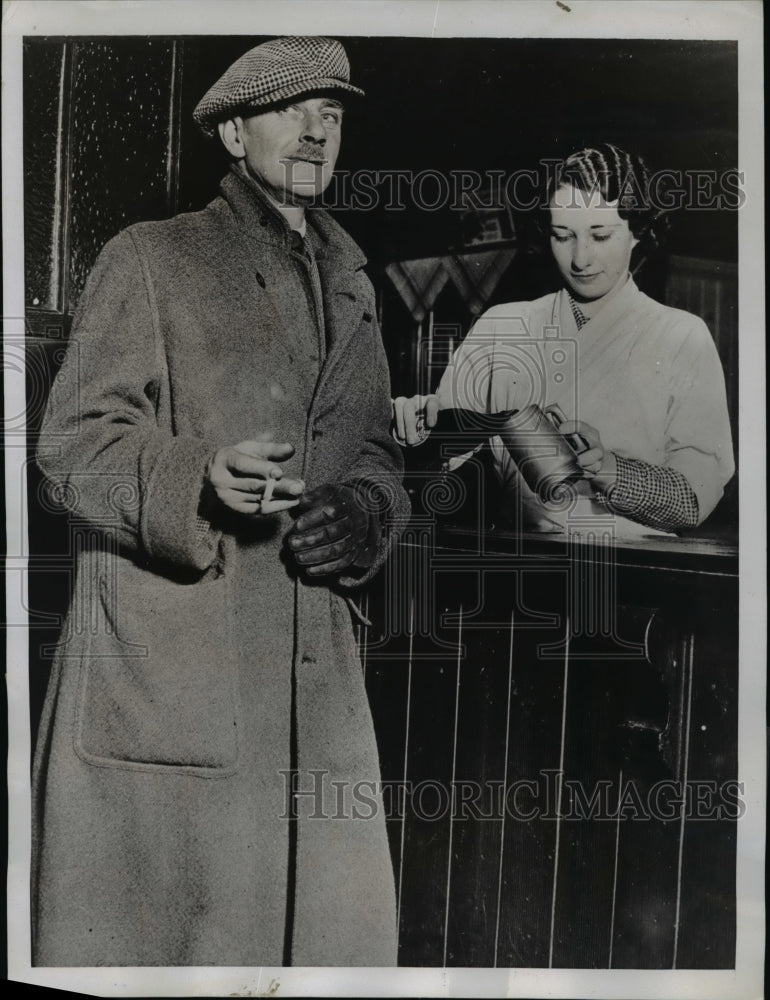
260,280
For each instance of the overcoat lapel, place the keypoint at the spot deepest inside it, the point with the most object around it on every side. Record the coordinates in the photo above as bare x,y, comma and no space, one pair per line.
339,260
338,257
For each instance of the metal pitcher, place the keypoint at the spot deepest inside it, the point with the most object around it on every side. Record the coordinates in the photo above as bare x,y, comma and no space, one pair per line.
545,458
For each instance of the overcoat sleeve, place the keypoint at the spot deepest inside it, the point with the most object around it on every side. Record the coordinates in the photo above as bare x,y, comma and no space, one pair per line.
377,465
101,442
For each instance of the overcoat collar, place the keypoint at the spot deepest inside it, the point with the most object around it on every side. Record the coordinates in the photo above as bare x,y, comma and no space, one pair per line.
338,257
262,222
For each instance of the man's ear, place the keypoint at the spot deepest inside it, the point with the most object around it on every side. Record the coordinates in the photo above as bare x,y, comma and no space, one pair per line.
230,134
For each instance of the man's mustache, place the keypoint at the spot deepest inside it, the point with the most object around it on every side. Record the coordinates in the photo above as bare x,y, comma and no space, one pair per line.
310,153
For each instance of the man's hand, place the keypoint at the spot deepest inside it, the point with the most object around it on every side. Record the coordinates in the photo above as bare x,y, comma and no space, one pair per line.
333,531
596,463
239,474
414,417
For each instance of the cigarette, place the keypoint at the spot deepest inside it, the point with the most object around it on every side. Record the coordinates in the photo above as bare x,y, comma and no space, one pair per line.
270,506
268,494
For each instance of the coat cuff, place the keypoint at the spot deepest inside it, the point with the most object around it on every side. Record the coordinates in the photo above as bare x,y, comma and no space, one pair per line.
376,496
172,528
353,579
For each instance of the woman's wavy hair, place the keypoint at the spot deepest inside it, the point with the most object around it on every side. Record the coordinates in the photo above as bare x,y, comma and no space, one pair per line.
617,176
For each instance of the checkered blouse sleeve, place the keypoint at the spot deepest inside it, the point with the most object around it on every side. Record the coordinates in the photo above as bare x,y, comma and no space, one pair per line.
652,495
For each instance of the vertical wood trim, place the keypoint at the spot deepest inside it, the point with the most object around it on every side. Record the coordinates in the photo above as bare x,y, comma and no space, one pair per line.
174,128
399,799
454,776
718,332
63,208
681,707
703,296
689,648
559,778
58,196
365,632
428,366
505,793
417,367
362,636
615,871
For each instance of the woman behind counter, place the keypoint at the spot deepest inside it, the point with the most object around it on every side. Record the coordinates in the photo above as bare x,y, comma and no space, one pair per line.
639,381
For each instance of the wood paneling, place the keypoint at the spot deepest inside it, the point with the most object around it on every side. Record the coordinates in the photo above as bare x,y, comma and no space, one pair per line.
709,288
120,144
47,75
558,765
101,152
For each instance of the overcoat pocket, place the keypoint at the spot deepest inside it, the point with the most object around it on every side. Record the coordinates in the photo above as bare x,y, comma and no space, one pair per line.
157,686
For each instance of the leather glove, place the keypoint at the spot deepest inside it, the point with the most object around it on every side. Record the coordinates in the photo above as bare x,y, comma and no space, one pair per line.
333,531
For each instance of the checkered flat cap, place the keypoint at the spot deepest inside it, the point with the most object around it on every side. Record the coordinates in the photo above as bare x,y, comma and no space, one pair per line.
275,71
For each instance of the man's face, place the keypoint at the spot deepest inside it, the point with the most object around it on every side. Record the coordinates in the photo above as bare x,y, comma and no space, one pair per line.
292,149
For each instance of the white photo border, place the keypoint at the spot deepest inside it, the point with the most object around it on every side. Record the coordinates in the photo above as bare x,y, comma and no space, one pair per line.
700,19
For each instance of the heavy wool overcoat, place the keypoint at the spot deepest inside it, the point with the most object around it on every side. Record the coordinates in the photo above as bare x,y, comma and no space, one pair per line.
195,670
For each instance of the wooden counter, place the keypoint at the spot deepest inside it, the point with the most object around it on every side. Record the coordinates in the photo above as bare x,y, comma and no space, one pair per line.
560,721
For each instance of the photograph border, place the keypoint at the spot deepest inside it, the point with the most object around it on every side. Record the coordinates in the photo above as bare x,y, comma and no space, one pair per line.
701,19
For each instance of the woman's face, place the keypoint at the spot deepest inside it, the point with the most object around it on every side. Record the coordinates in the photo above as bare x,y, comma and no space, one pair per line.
590,242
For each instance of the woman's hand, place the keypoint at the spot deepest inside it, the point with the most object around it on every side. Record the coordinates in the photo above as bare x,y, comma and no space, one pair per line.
596,463
414,417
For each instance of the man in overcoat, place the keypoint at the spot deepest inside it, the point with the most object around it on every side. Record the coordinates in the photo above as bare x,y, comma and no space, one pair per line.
220,431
